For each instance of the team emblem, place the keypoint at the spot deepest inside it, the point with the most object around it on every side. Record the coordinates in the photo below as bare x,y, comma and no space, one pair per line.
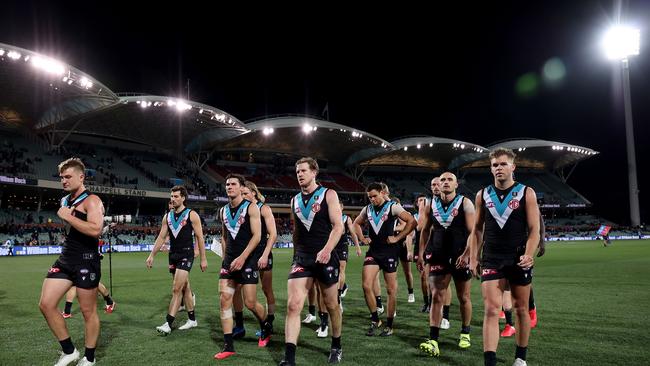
513,204
241,220
384,217
454,212
315,207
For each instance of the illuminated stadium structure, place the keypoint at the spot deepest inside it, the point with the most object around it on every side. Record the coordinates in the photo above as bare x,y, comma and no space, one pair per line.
142,144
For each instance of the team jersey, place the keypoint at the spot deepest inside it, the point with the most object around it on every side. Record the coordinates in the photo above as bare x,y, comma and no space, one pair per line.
312,223
506,225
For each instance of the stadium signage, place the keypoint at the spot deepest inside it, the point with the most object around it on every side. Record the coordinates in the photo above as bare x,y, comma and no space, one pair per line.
117,191
14,180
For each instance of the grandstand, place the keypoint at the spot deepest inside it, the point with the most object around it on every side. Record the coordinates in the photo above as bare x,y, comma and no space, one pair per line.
136,146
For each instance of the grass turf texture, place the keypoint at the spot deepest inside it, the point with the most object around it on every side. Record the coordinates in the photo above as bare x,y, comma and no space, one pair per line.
592,309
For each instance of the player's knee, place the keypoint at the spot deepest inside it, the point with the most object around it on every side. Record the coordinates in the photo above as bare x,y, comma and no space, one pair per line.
293,306
250,303
45,306
492,309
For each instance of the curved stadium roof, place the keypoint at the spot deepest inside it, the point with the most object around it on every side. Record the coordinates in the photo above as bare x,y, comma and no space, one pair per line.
425,152
538,154
37,89
168,123
299,135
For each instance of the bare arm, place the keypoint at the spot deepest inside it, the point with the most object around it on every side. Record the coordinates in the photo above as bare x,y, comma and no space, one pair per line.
256,230
94,217
410,225
269,220
334,212
198,234
476,236
160,240
425,224
532,216
360,220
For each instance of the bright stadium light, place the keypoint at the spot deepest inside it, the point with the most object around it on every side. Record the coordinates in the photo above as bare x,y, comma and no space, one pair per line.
419,146
306,128
406,148
85,83
14,55
431,144
182,106
2,52
620,42
267,131
48,65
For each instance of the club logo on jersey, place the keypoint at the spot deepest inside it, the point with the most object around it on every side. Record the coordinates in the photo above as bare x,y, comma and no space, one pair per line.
513,204
306,210
445,216
377,219
502,209
235,221
176,225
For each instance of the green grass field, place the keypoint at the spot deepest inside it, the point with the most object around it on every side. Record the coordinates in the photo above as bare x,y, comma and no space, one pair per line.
592,305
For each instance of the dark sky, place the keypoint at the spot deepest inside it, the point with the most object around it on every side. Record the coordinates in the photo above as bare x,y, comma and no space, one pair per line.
392,71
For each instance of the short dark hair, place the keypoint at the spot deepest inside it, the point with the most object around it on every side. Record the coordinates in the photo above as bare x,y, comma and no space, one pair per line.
500,151
374,185
418,197
180,189
313,164
239,177
72,163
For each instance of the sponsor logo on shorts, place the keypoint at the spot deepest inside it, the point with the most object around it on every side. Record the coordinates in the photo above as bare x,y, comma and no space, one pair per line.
171,266
390,260
513,204
315,207
224,271
93,276
296,269
436,268
329,268
488,272
83,271
369,259
255,274
427,256
248,270
54,270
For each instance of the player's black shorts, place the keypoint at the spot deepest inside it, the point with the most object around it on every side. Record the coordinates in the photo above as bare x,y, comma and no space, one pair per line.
387,263
84,273
304,265
247,275
449,267
181,260
342,251
403,253
495,270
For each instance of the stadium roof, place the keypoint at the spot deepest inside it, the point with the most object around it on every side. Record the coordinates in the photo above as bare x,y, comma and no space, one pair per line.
423,151
538,154
38,89
168,123
298,135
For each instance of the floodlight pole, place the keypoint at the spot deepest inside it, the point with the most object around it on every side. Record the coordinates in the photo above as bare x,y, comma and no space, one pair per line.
635,216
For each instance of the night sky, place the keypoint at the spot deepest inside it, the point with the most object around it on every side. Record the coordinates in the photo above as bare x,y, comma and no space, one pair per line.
473,72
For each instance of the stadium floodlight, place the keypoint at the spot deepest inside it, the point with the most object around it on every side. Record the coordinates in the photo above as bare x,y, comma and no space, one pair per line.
14,55
431,144
267,131
2,52
419,146
619,43
182,106
85,83
48,65
406,148
307,128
